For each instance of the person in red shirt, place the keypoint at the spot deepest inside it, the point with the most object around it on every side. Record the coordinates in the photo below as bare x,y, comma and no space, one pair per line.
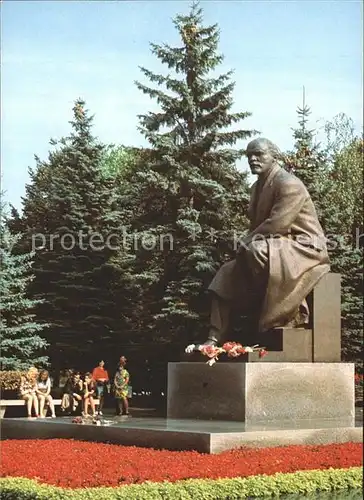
101,377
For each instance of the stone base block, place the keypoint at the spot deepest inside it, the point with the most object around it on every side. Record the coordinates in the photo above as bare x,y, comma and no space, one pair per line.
261,392
200,435
285,345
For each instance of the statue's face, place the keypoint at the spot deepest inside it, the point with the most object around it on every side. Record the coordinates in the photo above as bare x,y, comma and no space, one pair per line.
260,158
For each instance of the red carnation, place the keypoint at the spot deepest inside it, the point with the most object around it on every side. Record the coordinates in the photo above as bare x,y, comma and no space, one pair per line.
210,351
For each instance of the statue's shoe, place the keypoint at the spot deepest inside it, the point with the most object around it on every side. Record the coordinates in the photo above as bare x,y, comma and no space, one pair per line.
300,320
212,342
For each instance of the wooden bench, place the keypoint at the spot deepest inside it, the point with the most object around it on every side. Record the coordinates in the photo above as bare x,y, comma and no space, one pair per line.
4,403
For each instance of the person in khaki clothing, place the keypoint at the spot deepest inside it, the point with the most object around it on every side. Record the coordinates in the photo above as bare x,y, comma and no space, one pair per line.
282,257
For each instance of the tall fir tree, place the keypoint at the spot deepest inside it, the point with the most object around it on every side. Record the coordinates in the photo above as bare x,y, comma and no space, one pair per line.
307,160
344,224
120,162
333,176
69,212
189,195
22,342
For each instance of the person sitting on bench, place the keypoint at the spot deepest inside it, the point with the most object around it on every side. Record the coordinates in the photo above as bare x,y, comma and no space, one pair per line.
44,393
27,391
73,394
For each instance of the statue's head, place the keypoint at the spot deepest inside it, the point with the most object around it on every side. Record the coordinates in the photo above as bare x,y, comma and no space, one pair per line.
262,155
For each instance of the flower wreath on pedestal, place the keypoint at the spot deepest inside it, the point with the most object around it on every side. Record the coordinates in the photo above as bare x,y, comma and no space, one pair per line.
232,349
88,419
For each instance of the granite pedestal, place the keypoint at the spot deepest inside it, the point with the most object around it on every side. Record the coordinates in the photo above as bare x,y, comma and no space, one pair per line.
261,392
320,340
187,434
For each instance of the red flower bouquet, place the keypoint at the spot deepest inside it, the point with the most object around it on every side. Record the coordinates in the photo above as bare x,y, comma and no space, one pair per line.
232,349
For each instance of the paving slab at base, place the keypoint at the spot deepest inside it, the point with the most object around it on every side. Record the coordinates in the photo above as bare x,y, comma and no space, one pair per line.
200,435
254,392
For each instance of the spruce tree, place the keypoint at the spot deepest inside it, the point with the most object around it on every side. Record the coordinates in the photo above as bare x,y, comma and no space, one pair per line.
344,224
307,161
69,211
333,176
22,344
189,196
118,162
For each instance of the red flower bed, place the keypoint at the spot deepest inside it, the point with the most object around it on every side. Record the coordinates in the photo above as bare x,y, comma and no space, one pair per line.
75,464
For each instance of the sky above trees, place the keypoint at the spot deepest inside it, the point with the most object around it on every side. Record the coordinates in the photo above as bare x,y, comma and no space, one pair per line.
55,52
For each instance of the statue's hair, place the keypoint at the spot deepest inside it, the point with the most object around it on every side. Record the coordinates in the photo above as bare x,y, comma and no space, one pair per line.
272,148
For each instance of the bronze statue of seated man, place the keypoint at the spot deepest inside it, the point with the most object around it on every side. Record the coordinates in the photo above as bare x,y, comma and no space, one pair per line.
282,257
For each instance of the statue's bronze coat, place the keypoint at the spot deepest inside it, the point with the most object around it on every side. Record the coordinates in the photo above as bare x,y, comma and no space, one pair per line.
284,255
